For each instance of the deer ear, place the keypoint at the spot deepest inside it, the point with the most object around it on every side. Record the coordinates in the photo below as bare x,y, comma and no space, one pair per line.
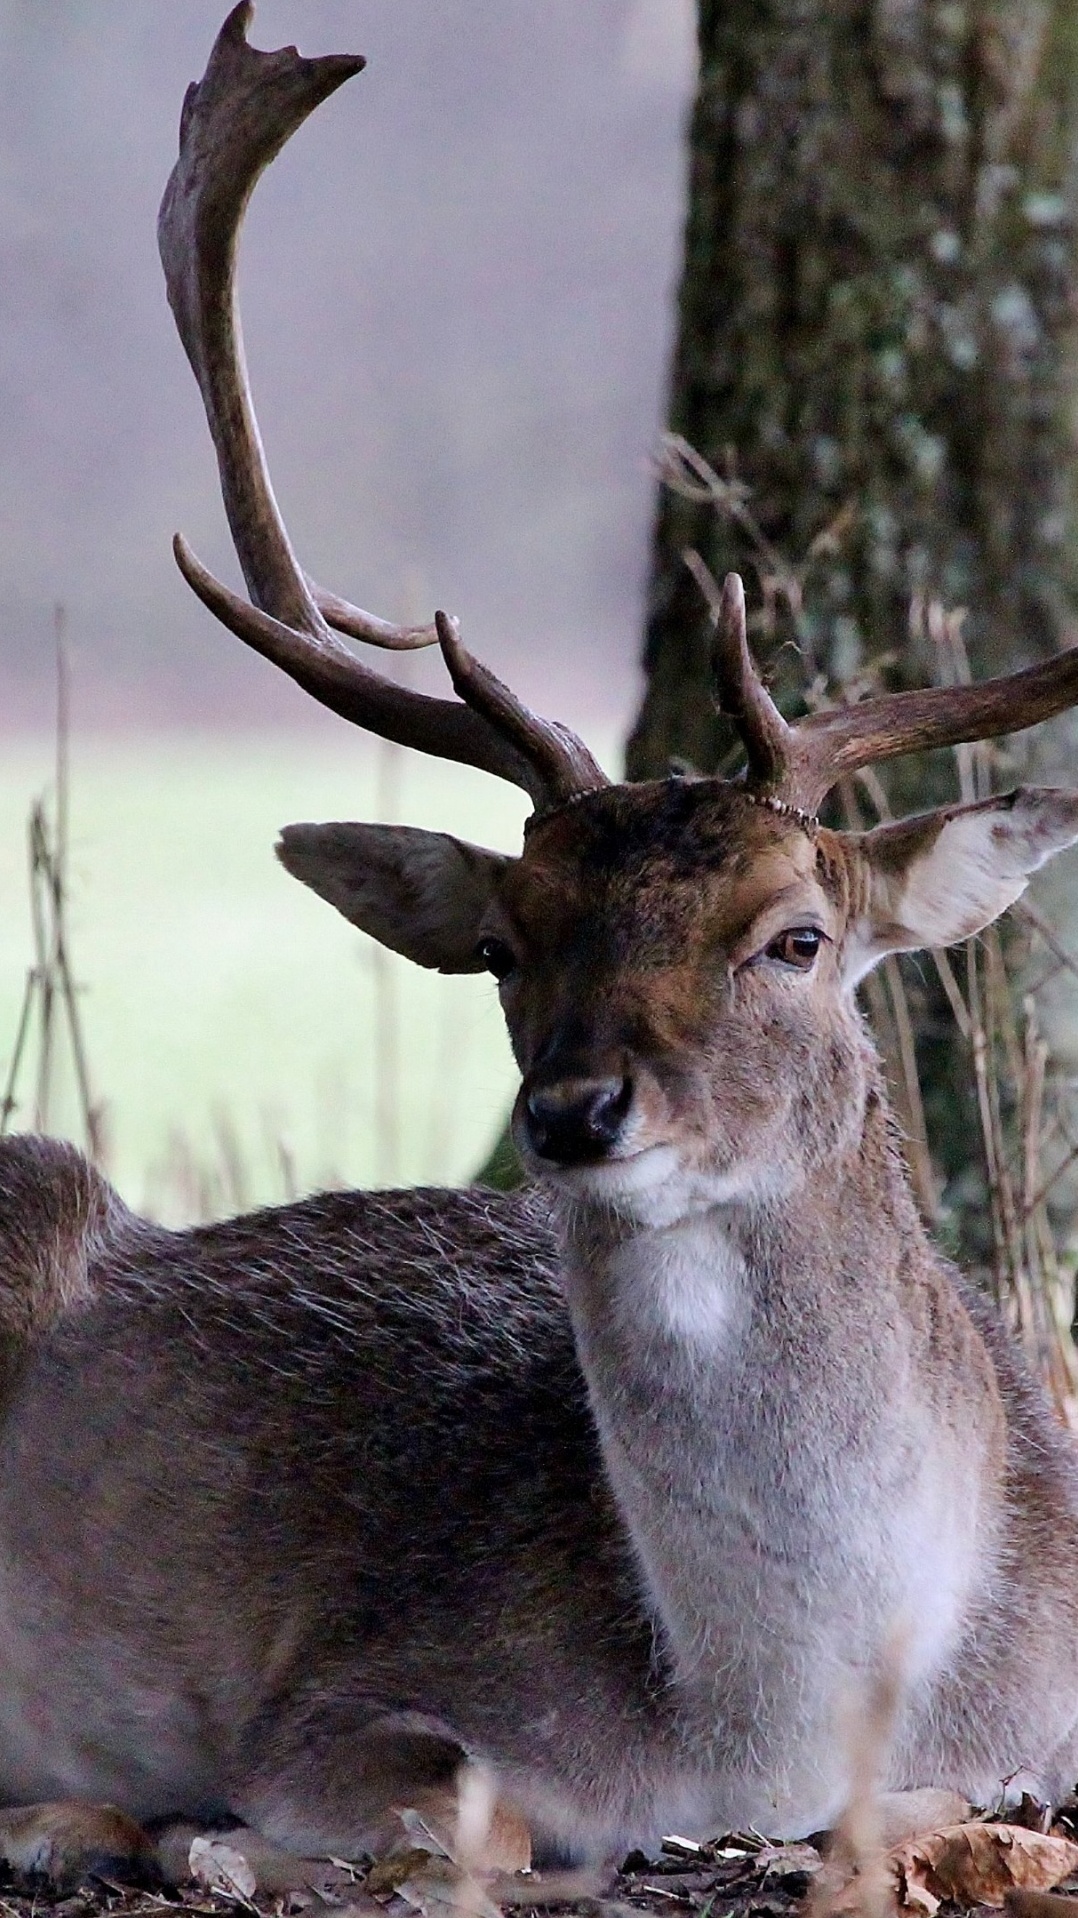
420,893
944,875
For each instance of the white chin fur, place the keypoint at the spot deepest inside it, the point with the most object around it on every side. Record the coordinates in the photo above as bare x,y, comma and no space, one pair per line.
616,1181
654,1188
637,1184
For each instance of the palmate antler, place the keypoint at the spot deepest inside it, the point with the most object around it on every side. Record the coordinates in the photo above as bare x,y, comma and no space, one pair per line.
800,764
234,122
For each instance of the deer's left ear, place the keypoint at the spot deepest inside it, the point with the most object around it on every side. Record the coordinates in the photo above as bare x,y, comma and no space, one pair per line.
940,877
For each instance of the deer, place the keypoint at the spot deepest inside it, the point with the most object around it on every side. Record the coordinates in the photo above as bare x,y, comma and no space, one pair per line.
614,1487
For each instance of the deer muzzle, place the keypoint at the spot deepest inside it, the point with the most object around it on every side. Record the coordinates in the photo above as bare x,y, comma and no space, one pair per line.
576,1121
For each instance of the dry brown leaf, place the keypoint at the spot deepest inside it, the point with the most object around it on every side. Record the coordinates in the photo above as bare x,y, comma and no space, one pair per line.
221,1868
386,1874
437,1888
784,1861
977,1865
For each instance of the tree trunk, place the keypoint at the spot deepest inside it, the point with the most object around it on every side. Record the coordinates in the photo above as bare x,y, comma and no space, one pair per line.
877,335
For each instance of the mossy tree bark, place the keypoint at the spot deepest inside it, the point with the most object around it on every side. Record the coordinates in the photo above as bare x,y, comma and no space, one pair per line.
877,323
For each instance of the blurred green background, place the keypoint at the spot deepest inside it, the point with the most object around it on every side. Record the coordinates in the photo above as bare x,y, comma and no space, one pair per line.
246,1041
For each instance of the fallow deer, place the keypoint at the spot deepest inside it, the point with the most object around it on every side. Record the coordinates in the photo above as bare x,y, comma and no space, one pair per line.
619,1486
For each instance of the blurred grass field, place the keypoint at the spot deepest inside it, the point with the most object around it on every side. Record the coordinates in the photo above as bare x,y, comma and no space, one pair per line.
246,1041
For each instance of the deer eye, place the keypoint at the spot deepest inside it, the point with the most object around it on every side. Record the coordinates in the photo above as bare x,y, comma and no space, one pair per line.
497,957
796,947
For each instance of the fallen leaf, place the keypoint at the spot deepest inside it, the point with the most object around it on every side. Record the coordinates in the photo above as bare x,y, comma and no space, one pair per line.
440,1889
388,1873
220,1868
977,1865
785,1861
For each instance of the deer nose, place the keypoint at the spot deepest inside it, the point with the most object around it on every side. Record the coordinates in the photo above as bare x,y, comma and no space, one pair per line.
572,1121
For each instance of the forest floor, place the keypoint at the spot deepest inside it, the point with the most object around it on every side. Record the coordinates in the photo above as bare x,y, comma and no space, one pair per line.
975,1867
736,1879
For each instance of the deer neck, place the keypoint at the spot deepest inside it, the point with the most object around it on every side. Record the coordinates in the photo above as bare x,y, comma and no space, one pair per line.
733,1358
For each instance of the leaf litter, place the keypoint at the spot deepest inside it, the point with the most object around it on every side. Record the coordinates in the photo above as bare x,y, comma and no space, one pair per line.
977,1863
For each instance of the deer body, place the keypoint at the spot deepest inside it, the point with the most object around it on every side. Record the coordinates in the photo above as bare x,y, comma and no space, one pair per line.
274,1633
352,1509
792,1513
628,1488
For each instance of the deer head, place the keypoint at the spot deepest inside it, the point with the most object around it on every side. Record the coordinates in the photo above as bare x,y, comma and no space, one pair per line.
677,963
676,959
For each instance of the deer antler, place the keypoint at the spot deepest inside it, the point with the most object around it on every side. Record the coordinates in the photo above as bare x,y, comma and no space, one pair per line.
234,122
800,764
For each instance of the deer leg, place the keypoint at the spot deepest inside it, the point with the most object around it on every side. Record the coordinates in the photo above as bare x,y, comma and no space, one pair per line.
320,1785
68,1842
340,1790
275,1870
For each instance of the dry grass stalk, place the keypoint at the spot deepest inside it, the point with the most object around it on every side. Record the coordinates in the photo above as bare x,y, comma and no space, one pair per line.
1010,1064
782,581
50,1015
855,1878
194,1182
389,779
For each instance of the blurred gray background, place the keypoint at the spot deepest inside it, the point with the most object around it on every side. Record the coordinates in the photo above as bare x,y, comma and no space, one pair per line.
457,292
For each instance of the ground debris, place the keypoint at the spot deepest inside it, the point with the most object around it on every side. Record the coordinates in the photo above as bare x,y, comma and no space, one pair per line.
735,1876
978,1864
732,1878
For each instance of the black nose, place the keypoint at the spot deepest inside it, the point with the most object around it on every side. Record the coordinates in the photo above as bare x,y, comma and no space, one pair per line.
572,1121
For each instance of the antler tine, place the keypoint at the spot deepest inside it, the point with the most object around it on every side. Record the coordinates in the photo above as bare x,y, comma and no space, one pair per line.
235,120
346,618
829,745
741,693
800,764
743,697
566,765
333,676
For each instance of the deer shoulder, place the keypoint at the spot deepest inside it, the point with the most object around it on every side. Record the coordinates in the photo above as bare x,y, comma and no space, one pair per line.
58,1219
